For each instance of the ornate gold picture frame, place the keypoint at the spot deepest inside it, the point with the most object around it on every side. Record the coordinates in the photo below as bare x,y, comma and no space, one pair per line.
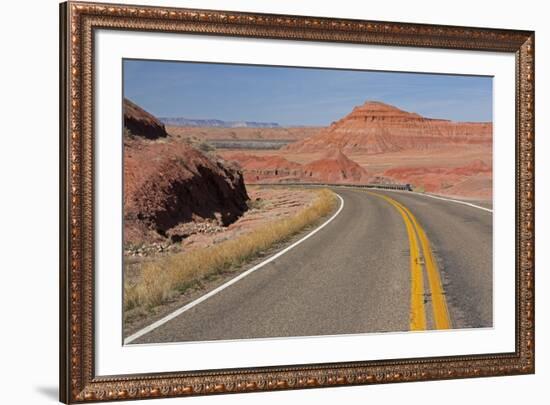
79,381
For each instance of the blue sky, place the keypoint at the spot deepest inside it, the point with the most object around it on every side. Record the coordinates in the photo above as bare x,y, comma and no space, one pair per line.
297,96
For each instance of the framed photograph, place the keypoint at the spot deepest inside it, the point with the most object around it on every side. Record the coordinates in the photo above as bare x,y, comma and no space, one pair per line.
264,202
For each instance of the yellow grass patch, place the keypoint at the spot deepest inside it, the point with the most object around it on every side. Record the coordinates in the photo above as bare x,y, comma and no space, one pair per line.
163,278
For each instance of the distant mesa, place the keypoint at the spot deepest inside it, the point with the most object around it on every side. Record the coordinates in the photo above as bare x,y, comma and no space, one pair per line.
271,138
215,123
376,127
140,123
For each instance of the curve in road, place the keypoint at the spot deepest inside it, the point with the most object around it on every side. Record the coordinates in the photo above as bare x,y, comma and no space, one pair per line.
222,287
356,276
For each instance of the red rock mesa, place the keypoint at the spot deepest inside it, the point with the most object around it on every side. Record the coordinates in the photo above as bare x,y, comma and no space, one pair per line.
375,127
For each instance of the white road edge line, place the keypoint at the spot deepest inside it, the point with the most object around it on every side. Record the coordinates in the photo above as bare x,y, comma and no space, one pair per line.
187,307
457,201
442,198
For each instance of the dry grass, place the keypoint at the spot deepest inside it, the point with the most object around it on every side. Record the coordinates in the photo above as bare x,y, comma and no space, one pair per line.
164,278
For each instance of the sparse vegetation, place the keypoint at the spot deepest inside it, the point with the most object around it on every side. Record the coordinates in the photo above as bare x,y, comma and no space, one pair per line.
255,204
205,146
129,134
162,279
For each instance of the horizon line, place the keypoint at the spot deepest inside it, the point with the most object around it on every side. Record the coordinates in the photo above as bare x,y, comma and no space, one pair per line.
166,117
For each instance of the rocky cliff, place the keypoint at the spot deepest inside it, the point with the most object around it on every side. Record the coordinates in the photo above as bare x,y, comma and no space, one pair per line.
375,127
139,123
169,185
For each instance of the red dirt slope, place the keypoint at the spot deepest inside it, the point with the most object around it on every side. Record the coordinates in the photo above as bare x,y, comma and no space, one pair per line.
334,167
471,180
167,184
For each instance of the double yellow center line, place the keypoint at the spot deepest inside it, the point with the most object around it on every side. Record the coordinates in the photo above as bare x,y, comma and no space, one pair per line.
417,259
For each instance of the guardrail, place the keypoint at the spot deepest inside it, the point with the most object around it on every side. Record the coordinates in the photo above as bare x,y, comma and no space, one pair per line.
404,187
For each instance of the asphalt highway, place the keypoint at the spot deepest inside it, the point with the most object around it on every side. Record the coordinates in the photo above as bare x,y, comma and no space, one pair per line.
389,261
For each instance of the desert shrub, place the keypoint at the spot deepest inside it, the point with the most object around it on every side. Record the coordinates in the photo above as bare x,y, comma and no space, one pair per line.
205,146
255,204
128,134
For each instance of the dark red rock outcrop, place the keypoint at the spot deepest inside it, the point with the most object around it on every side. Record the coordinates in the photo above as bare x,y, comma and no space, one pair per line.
140,123
167,184
375,127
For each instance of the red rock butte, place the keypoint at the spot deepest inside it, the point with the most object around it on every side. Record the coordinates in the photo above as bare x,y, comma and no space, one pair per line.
376,127
333,167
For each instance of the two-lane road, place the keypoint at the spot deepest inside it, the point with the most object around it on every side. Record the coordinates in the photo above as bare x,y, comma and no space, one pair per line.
359,274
